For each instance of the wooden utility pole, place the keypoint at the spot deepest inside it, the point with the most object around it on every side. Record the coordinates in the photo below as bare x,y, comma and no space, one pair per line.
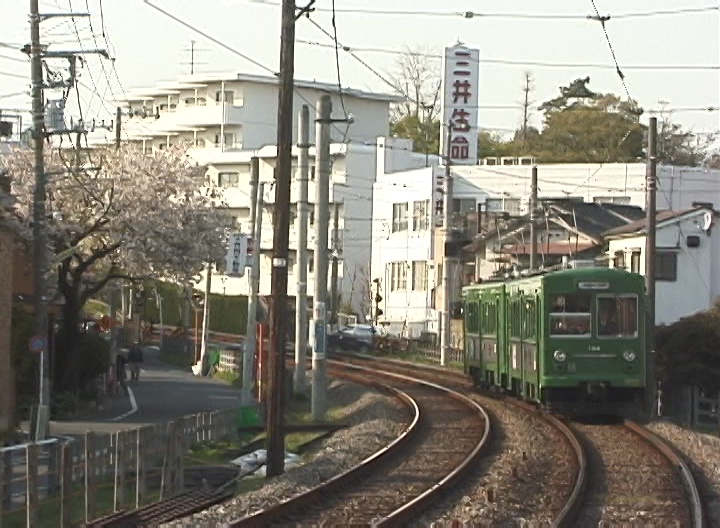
650,250
448,261
533,217
301,316
279,281
118,126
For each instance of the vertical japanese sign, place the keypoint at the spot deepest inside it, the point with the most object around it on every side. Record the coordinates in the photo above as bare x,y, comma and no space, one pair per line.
461,67
459,111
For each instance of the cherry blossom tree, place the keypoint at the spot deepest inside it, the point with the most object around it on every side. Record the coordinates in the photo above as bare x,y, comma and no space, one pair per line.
117,215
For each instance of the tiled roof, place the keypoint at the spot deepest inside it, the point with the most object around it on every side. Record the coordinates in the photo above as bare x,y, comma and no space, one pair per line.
640,225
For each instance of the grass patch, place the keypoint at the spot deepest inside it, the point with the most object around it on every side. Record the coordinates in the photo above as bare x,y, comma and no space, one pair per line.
49,510
232,378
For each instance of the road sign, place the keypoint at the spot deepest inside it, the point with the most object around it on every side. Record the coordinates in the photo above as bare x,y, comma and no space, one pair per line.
37,343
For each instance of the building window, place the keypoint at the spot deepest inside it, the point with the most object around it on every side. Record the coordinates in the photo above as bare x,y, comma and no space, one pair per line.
619,260
398,276
189,101
617,200
400,217
311,216
311,261
228,178
229,97
201,101
635,262
312,173
421,215
419,275
666,266
464,205
503,205
229,139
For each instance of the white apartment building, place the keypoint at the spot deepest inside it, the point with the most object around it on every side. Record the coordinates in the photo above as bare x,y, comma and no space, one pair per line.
228,119
400,245
687,267
239,112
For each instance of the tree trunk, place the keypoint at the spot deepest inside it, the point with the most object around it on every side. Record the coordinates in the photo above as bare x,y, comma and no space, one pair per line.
67,364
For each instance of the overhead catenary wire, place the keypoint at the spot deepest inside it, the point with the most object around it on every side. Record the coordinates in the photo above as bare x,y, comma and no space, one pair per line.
480,15
512,62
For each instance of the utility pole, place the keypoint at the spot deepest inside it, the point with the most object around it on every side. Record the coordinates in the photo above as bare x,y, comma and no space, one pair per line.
256,209
650,250
334,308
40,238
118,126
322,219
448,261
278,315
301,318
526,107
206,317
533,217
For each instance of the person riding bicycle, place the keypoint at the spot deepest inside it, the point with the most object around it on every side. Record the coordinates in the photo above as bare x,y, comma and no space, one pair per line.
135,358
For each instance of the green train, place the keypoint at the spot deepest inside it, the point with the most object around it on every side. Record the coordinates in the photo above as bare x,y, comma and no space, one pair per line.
571,340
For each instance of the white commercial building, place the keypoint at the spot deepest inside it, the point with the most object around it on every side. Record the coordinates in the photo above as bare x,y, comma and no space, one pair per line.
404,239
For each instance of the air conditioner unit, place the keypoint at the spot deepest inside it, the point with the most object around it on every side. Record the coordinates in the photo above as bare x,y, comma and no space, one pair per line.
527,161
490,161
582,264
508,161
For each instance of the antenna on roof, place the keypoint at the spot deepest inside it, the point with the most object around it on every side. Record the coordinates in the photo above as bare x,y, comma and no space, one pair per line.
193,50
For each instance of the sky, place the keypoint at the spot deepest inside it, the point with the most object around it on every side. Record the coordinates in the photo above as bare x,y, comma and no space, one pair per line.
149,46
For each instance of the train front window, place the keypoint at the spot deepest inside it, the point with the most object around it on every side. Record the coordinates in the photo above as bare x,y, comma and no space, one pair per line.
570,315
617,316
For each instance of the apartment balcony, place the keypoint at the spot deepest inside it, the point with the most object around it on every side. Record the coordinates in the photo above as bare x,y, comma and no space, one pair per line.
463,226
212,115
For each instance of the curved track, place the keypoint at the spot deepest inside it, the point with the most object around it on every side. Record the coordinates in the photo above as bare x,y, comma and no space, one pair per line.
635,477
445,439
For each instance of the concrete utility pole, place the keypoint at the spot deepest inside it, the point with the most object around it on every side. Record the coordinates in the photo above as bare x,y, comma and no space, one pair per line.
533,217
40,238
301,318
206,316
650,250
335,261
322,220
449,262
278,315
256,209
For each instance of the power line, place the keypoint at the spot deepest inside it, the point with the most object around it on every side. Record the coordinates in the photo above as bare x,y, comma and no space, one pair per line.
602,20
510,62
477,14
230,49
337,58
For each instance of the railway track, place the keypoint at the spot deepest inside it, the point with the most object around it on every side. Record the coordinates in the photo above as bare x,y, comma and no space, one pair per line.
445,439
635,477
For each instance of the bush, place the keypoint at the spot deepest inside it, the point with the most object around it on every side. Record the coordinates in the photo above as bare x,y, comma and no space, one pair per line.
688,352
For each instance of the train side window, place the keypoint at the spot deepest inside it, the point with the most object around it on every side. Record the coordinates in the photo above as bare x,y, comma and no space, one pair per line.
472,318
617,316
529,326
570,315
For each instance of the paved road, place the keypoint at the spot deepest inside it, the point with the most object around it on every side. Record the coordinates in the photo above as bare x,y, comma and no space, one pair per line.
163,393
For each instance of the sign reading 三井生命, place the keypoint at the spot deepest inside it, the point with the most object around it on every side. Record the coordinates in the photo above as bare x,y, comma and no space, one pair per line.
459,113
459,108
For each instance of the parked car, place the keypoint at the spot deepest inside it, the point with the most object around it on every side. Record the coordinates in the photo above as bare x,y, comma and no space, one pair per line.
360,338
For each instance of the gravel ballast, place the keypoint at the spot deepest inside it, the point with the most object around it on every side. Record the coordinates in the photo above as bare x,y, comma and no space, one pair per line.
702,452
374,420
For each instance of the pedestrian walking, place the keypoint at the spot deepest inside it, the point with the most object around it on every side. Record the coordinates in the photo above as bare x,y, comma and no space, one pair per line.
135,359
120,363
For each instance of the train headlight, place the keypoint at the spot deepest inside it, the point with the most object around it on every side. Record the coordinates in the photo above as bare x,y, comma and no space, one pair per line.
560,356
629,356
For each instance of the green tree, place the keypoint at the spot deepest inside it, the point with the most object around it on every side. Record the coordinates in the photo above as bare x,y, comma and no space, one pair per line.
583,126
425,134
676,146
